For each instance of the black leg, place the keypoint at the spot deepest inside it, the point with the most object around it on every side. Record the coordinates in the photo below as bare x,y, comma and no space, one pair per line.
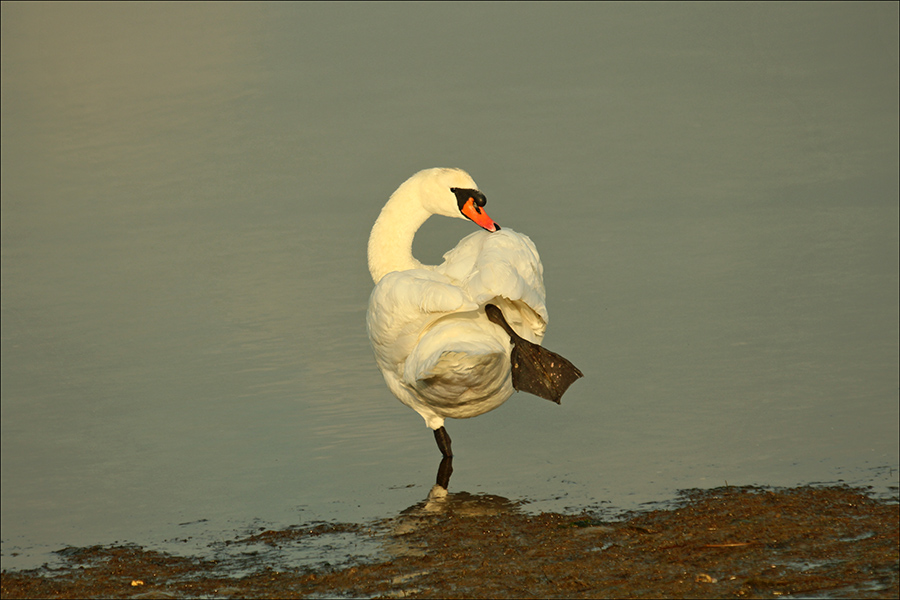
444,472
443,441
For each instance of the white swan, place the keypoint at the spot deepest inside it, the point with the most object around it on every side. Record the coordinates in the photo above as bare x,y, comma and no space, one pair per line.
443,350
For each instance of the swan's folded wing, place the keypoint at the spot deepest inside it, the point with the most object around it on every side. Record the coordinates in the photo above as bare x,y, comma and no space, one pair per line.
504,264
403,304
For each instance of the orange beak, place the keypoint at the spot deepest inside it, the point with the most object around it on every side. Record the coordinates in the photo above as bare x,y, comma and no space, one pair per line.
477,214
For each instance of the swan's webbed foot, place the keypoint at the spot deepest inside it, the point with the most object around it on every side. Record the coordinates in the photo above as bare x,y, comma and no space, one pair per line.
535,369
443,441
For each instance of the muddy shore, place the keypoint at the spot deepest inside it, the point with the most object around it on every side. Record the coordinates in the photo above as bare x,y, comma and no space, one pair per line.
747,542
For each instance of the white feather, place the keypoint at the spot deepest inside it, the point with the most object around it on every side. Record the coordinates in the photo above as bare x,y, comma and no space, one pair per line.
437,350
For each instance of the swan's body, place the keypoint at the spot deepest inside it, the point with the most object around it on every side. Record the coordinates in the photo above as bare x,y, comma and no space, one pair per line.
439,352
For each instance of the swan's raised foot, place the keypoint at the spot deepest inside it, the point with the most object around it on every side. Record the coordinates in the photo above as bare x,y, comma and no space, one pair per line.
535,369
443,441
541,372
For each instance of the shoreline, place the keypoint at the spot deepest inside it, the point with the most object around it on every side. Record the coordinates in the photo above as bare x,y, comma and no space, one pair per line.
749,542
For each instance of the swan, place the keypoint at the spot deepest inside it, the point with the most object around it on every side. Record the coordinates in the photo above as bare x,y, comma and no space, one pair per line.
457,339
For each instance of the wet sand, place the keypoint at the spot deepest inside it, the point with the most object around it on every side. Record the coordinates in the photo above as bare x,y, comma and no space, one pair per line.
748,542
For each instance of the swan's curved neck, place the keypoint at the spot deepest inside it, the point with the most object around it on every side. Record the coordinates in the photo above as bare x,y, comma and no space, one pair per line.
390,243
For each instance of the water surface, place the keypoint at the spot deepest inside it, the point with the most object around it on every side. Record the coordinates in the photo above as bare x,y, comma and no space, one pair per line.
186,197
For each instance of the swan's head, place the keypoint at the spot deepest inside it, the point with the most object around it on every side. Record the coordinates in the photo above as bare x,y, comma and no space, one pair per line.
452,193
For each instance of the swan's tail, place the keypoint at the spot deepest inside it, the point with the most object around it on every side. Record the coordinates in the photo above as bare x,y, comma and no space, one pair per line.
535,369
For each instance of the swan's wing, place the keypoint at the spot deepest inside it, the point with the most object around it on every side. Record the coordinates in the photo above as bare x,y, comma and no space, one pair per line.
402,305
502,265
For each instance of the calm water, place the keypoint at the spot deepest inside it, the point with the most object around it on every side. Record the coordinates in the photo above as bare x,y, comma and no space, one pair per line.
187,191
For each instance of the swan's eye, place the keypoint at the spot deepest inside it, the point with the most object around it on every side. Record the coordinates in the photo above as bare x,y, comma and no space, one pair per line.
464,196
